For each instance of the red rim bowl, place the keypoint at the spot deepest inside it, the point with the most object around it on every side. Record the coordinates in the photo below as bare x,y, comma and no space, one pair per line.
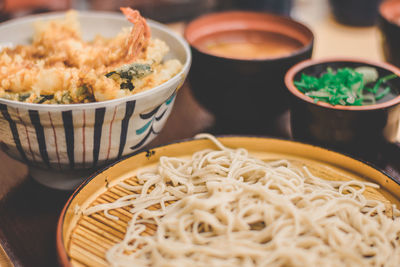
222,22
298,68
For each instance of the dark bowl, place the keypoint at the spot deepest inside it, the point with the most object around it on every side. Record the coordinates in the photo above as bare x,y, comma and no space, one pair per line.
344,127
245,95
389,26
355,12
282,7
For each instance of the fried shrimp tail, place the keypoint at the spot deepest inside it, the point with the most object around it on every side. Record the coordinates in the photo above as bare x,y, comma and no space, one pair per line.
140,34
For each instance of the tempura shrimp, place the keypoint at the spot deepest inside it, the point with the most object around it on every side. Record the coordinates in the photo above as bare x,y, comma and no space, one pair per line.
140,34
60,43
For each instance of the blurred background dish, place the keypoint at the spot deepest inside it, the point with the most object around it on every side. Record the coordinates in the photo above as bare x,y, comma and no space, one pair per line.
282,7
16,8
175,10
62,144
243,87
161,10
349,128
389,26
355,12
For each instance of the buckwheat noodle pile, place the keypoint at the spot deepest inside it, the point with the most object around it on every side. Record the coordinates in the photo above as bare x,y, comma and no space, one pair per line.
225,208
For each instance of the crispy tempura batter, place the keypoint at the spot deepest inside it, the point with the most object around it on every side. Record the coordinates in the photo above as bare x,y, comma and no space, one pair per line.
60,68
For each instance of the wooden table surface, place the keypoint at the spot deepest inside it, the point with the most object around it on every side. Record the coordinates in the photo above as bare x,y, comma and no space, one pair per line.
29,211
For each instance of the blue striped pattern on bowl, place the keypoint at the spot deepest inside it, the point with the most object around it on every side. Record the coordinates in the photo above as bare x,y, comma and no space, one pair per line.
78,139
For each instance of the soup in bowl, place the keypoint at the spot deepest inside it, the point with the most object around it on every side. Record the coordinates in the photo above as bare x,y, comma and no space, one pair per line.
249,44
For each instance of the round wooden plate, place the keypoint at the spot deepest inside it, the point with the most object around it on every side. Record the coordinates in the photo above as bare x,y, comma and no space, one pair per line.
83,240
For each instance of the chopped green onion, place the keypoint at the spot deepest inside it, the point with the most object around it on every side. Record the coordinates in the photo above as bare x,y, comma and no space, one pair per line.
383,93
345,86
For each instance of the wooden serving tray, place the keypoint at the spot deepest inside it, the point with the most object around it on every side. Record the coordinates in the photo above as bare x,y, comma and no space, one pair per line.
84,240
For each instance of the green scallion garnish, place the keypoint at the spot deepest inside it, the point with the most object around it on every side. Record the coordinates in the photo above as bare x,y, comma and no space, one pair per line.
346,86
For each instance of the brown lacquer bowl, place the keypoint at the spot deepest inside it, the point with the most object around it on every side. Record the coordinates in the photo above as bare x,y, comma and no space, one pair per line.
345,127
389,25
246,95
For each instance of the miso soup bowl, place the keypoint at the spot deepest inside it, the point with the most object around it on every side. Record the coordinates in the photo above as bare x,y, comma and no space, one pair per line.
344,127
62,144
245,95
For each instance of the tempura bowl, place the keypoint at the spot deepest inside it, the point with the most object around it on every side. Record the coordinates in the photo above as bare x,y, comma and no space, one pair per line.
63,143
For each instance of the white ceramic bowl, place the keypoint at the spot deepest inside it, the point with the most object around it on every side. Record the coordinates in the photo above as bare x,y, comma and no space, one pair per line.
63,143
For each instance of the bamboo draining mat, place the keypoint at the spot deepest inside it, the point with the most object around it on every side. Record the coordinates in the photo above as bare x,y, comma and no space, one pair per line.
93,235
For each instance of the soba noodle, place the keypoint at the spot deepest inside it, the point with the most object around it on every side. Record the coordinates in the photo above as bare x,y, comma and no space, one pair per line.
225,208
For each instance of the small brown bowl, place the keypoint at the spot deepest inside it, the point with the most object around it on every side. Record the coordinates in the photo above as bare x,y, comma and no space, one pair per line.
345,127
389,26
246,95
